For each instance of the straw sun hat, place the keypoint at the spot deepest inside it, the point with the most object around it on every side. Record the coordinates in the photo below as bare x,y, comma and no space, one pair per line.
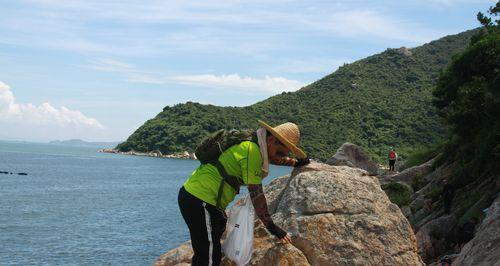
289,134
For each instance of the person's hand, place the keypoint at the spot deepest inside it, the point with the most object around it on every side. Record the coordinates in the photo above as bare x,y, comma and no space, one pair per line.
302,161
281,234
286,239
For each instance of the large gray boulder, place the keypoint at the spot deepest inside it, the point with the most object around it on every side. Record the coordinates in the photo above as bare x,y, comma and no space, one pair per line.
484,248
337,215
352,155
416,172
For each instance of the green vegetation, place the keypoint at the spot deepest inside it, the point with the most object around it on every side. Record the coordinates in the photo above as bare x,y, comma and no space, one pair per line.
398,193
434,193
422,155
475,207
418,182
381,101
468,98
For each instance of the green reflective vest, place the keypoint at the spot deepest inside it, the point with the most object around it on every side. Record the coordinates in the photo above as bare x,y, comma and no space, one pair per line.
242,160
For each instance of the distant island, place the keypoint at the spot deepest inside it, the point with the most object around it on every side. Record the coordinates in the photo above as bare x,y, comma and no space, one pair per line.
82,143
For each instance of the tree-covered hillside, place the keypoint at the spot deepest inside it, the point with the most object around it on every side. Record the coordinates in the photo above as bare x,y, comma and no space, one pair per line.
380,101
468,98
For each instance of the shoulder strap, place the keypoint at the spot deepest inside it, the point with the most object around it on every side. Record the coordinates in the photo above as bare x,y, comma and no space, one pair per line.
254,138
233,181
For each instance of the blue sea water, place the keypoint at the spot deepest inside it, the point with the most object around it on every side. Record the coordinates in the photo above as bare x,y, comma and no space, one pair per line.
80,207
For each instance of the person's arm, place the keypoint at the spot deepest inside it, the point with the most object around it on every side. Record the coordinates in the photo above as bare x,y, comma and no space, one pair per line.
287,161
251,174
260,205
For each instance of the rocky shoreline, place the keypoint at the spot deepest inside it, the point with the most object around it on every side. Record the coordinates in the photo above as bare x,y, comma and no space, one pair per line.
335,210
182,155
336,215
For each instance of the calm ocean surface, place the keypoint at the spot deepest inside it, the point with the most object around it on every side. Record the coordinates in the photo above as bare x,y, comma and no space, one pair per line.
80,207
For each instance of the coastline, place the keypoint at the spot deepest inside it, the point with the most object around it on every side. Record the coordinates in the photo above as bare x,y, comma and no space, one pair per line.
182,155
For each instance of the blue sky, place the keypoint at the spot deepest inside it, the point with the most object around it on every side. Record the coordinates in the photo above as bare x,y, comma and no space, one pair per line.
96,70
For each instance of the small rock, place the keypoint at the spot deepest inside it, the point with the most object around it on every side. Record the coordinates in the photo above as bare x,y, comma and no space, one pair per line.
405,51
352,155
177,256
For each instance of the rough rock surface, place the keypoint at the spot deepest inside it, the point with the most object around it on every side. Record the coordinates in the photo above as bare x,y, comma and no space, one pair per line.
432,237
398,192
405,51
177,256
484,248
406,210
408,175
352,155
337,215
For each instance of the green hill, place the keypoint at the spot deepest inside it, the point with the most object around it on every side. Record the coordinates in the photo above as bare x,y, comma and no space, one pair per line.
380,101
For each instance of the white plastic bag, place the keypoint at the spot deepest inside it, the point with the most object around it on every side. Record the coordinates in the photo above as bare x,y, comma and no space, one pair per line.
238,244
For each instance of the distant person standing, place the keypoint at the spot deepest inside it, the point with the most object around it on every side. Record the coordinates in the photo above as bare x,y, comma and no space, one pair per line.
392,156
448,194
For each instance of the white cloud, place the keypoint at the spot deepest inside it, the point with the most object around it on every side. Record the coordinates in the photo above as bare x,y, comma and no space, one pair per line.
364,24
42,115
449,3
111,65
236,82
236,27
131,73
312,65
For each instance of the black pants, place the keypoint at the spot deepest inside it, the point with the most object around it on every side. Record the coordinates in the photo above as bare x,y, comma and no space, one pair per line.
447,204
206,225
391,165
